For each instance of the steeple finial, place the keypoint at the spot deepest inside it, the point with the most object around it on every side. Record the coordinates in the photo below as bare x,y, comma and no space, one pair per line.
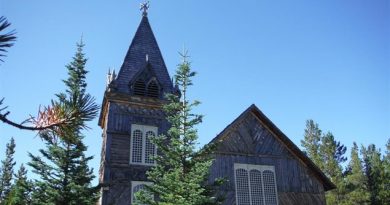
144,7
108,81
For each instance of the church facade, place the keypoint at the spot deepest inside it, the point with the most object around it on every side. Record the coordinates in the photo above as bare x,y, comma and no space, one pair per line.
262,165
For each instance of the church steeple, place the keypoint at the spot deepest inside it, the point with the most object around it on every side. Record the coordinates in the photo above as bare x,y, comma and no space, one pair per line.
143,58
132,113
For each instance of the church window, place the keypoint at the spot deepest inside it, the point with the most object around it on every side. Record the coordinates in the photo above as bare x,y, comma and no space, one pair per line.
142,150
137,146
153,89
139,87
150,148
137,186
255,184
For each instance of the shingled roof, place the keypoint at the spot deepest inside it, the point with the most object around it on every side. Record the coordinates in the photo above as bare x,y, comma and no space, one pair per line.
143,50
253,109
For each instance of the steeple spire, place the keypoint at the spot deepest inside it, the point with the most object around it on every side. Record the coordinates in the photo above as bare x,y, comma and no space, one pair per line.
144,7
143,55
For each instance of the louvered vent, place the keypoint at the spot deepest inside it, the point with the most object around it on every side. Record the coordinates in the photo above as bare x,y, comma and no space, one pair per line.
139,88
153,89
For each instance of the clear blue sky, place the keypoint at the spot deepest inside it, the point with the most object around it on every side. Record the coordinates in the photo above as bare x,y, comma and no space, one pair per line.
296,60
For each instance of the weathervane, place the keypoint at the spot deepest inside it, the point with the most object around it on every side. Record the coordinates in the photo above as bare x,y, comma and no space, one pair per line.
144,8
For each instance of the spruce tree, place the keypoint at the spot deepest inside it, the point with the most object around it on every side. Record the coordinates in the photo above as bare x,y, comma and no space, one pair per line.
180,176
357,192
7,170
65,177
374,171
332,154
311,142
385,186
21,190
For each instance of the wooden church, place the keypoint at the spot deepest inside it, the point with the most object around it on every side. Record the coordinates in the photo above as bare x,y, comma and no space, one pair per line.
262,165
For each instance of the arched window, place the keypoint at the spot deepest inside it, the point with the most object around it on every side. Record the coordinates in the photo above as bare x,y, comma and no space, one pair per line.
150,148
139,87
137,186
153,89
142,150
242,186
136,146
269,187
257,187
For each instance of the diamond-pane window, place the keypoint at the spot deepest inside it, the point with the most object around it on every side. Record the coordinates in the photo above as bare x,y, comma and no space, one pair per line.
150,148
256,188
142,150
242,187
269,188
137,146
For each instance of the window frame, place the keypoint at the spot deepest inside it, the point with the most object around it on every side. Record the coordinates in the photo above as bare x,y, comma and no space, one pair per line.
144,130
261,169
136,183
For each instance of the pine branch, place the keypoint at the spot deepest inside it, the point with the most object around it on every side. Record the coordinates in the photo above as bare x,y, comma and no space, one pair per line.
7,39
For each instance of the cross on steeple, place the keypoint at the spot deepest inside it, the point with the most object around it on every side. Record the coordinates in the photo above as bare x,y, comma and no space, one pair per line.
144,8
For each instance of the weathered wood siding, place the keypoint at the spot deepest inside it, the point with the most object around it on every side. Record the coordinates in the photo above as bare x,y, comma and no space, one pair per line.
118,172
249,142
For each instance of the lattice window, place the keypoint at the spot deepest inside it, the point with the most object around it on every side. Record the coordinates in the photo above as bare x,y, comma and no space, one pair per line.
142,150
139,87
269,188
150,148
153,89
137,186
136,149
242,187
257,188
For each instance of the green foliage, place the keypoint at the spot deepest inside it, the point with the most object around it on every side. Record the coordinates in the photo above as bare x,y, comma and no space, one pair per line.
180,176
311,142
384,192
7,170
21,190
327,154
332,154
65,177
364,181
357,192
376,172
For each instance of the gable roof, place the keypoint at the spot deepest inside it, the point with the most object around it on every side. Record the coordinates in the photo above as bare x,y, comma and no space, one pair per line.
143,50
253,109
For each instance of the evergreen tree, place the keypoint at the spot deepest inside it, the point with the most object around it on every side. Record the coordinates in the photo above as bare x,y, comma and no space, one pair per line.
21,190
385,186
181,172
65,177
374,171
7,170
332,154
356,180
311,142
